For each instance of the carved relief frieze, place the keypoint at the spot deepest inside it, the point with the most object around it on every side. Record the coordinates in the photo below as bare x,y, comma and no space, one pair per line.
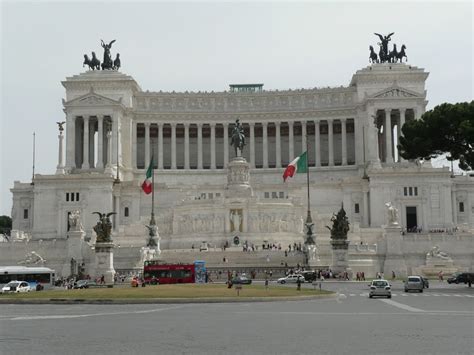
395,93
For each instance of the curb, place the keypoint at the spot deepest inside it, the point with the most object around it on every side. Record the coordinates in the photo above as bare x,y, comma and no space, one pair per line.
161,300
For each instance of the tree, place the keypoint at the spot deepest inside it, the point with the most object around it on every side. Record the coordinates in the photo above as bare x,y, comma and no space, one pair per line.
5,224
448,128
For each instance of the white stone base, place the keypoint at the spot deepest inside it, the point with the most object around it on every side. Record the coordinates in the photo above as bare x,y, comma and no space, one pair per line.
104,262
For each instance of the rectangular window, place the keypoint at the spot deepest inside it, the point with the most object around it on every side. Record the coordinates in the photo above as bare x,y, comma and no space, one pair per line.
72,196
461,207
25,214
416,191
267,194
274,194
356,208
67,196
218,194
281,194
211,196
410,191
126,212
405,191
77,196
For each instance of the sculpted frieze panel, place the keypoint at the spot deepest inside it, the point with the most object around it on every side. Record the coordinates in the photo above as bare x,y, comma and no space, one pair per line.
245,103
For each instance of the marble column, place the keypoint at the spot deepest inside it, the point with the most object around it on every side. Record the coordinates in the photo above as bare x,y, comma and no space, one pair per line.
147,144
265,144
388,136
455,207
173,146
92,146
199,126
344,141
160,145
365,217
252,144
109,150
226,144
100,142
60,167
291,147
85,156
186,146
213,146
70,142
400,132
330,142
278,144
303,137
317,142
134,145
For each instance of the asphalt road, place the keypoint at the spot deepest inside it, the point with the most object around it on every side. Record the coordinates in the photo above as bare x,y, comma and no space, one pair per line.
439,321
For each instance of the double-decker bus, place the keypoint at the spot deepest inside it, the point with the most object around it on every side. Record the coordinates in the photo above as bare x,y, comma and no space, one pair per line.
171,273
32,275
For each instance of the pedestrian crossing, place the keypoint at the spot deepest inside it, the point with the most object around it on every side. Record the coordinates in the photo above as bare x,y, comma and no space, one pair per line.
366,294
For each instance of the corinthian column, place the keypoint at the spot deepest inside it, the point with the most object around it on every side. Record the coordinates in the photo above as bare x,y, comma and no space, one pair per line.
265,144
226,144
388,136
85,156
303,136
173,145
186,146
290,142
100,142
147,144
160,145
317,142
199,145
330,143
252,144
344,141
60,167
277,144
213,146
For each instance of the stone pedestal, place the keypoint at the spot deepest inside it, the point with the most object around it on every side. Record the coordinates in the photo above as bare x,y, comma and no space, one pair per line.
394,258
340,261
104,262
313,256
238,178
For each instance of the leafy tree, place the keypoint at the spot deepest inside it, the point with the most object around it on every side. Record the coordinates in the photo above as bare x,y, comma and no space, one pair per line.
5,224
448,128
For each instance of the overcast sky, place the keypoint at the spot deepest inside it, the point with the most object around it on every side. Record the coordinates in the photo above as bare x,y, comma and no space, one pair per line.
206,46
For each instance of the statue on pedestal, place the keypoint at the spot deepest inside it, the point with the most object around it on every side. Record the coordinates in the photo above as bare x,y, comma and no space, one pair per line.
75,221
392,214
103,228
436,253
238,138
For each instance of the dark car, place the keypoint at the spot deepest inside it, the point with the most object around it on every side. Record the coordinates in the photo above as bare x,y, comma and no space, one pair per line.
309,276
461,277
241,280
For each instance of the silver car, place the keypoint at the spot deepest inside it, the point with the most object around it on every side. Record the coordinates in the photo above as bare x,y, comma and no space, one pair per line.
414,283
380,288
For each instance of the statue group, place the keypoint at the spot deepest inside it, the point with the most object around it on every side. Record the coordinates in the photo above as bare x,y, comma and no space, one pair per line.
103,228
238,138
107,63
386,56
339,230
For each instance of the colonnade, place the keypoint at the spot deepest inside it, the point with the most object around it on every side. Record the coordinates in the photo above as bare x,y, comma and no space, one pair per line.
144,148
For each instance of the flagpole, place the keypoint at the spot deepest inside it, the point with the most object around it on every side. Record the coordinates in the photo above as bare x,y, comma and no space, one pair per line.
309,220
152,220
34,147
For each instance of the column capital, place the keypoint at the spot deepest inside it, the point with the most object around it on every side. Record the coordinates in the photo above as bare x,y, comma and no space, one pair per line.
212,124
388,110
186,124
265,124
86,117
147,124
252,124
100,117
343,120
329,120
226,124
277,124
290,123
199,125
173,124
318,121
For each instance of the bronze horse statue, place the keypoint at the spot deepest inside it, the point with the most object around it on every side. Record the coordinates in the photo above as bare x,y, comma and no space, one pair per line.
93,63
401,54
373,56
238,138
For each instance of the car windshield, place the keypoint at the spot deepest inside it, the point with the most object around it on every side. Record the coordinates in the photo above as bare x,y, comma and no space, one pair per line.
414,279
379,283
13,284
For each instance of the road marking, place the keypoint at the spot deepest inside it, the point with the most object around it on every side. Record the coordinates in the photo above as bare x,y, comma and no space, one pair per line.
404,294
66,316
444,294
435,294
457,295
469,296
352,294
402,306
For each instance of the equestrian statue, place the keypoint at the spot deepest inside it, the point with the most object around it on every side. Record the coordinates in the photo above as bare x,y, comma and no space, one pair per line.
238,138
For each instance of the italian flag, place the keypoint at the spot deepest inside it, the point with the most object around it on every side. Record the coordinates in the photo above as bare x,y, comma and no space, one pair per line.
298,165
147,186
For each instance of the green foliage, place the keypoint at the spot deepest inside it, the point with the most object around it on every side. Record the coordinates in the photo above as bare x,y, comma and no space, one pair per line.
448,128
5,222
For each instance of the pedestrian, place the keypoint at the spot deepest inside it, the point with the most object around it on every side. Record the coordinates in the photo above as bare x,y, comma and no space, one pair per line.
393,275
440,275
102,280
298,283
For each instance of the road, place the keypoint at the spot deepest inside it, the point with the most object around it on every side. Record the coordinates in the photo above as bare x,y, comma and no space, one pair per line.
438,321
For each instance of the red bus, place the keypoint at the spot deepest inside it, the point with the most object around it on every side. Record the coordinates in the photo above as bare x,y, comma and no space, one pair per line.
168,273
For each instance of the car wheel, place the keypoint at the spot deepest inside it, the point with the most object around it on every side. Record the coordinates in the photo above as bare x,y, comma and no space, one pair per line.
406,290
370,296
389,296
421,291
282,282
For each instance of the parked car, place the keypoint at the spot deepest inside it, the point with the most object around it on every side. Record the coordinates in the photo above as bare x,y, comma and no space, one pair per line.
426,283
241,280
414,283
461,277
80,284
380,287
16,286
309,276
291,279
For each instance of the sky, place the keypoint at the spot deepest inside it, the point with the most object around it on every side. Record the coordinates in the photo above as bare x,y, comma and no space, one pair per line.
205,46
